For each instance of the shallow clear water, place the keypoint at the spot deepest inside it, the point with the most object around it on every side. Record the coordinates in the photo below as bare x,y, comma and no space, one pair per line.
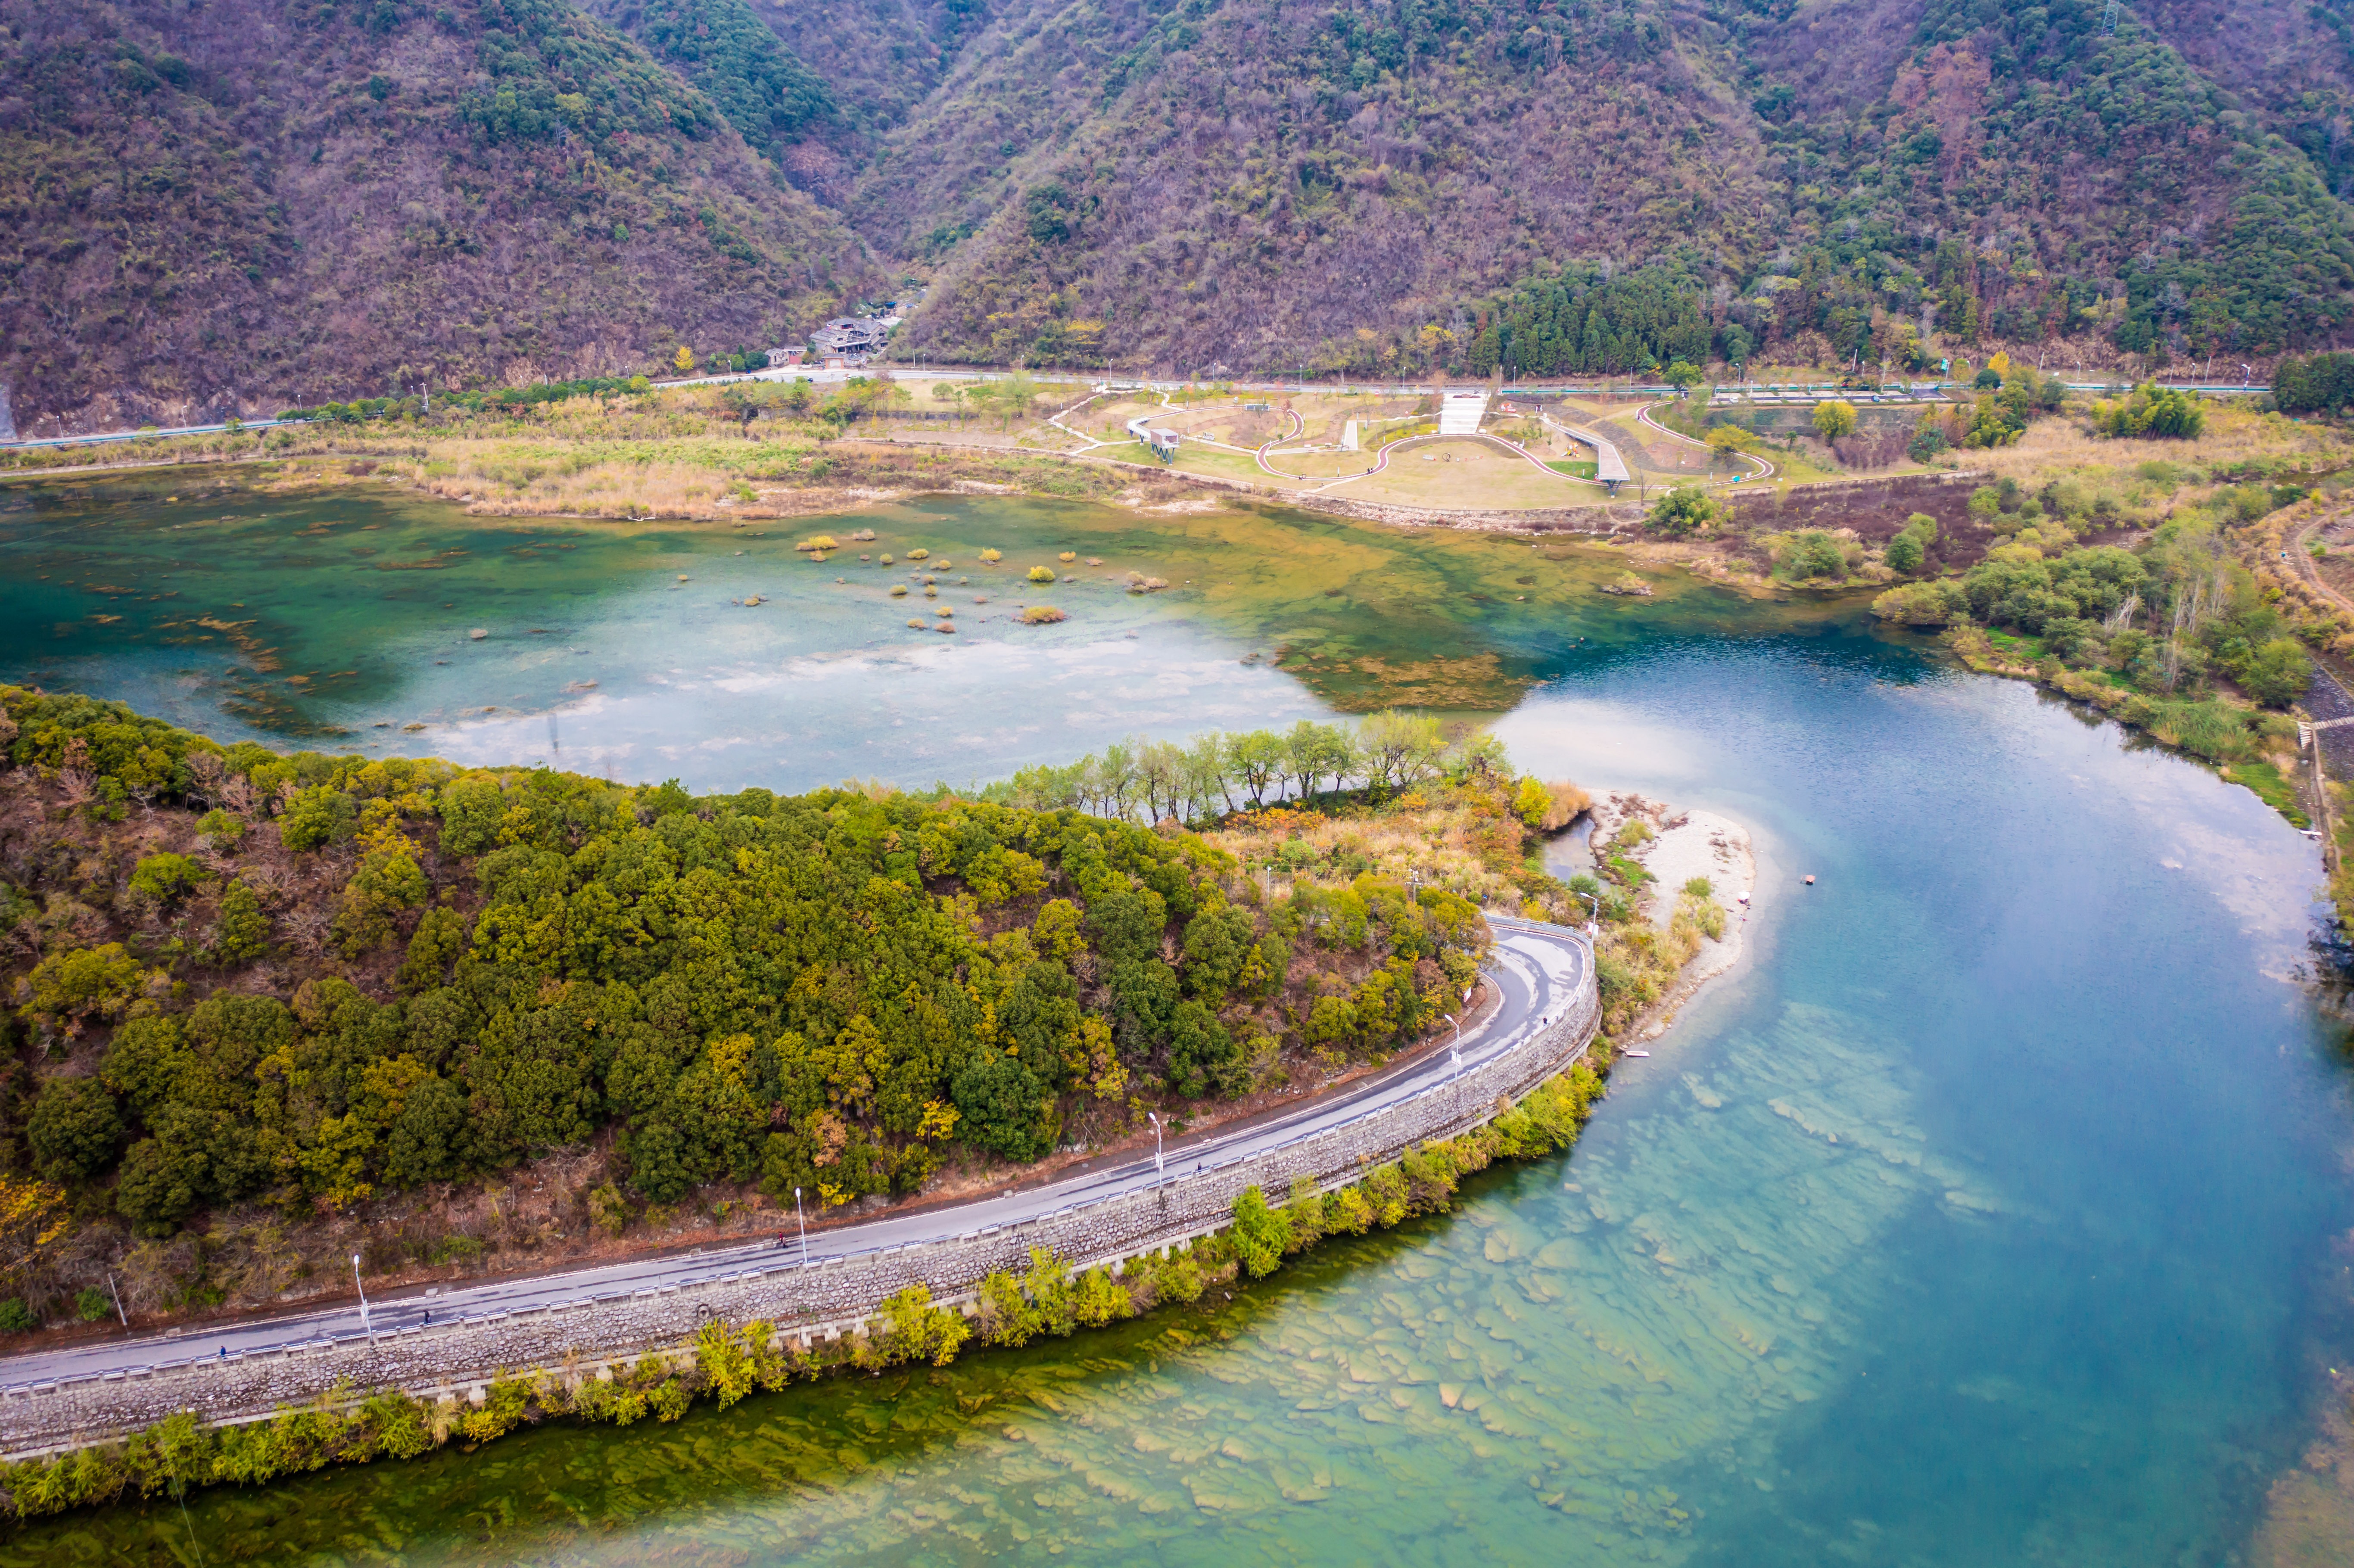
1981,1216
343,619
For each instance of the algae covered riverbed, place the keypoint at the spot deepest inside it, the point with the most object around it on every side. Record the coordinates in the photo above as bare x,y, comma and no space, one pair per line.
341,619
1987,1214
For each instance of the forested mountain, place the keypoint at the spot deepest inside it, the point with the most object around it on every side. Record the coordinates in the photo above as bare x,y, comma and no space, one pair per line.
297,200
1350,186
213,207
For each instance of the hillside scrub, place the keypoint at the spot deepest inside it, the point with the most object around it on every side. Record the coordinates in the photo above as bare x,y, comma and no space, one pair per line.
343,201
2176,637
338,202
261,996
726,1362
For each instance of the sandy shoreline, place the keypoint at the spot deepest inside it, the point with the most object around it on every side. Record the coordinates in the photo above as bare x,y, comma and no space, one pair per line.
1685,844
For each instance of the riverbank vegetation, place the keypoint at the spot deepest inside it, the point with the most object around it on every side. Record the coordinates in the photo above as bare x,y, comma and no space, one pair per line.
740,451
726,1362
2170,632
2132,556
269,1010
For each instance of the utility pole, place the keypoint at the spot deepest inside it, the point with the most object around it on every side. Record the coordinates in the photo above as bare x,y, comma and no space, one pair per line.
1158,1168
803,1219
365,1326
117,1300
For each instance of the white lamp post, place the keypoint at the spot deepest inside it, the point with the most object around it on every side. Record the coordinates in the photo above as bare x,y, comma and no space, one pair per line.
804,1219
1154,1118
365,1326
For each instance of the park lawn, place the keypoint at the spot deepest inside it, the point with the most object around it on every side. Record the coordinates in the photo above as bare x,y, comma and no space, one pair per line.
1193,458
1323,465
1480,477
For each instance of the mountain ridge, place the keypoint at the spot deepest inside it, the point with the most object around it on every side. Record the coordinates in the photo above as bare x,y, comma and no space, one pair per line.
313,200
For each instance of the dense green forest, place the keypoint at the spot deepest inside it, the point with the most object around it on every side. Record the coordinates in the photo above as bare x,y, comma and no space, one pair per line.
723,49
2314,384
305,979
1581,323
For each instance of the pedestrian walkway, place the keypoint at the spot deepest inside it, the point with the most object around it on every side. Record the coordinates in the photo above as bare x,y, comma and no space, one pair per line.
1460,413
1609,467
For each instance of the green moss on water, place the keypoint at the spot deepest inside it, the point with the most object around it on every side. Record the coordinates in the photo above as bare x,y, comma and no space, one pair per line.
328,613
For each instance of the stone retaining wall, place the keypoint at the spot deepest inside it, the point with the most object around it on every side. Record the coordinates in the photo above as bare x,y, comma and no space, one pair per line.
819,1300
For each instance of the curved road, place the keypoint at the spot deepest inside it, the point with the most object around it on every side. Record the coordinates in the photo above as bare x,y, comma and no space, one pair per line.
1536,973
1643,415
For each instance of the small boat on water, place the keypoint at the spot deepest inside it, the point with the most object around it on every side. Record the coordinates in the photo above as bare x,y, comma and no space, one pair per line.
1638,1052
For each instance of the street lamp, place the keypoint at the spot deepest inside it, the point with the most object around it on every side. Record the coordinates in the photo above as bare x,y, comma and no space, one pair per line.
367,1328
1455,1047
1593,913
1154,1118
804,1219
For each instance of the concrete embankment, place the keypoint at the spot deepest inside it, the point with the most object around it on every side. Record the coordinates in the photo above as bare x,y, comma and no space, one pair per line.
821,1300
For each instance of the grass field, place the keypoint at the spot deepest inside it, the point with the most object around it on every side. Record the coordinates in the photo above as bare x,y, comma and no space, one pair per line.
1468,474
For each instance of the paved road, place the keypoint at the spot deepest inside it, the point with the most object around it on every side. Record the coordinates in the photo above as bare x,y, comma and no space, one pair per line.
1536,972
821,377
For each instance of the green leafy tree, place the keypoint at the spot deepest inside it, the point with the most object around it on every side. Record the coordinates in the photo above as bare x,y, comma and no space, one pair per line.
1262,1234
74,1128
2151,412
316,816
1911,545
1925,604
1811,553
166,876
243,931
1530,801
1003,1105
84,983
1725,441
2278,673
1681,513
1202,1055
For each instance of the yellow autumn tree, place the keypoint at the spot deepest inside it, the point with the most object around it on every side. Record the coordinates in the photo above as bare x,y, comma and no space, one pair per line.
684,359
32,1216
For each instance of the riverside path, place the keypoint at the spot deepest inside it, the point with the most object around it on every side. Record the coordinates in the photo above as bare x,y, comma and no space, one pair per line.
1537,974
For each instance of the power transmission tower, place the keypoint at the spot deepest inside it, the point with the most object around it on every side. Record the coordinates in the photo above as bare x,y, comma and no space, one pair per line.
2109,19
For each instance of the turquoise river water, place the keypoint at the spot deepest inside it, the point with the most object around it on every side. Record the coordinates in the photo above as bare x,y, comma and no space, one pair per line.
1989,1213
